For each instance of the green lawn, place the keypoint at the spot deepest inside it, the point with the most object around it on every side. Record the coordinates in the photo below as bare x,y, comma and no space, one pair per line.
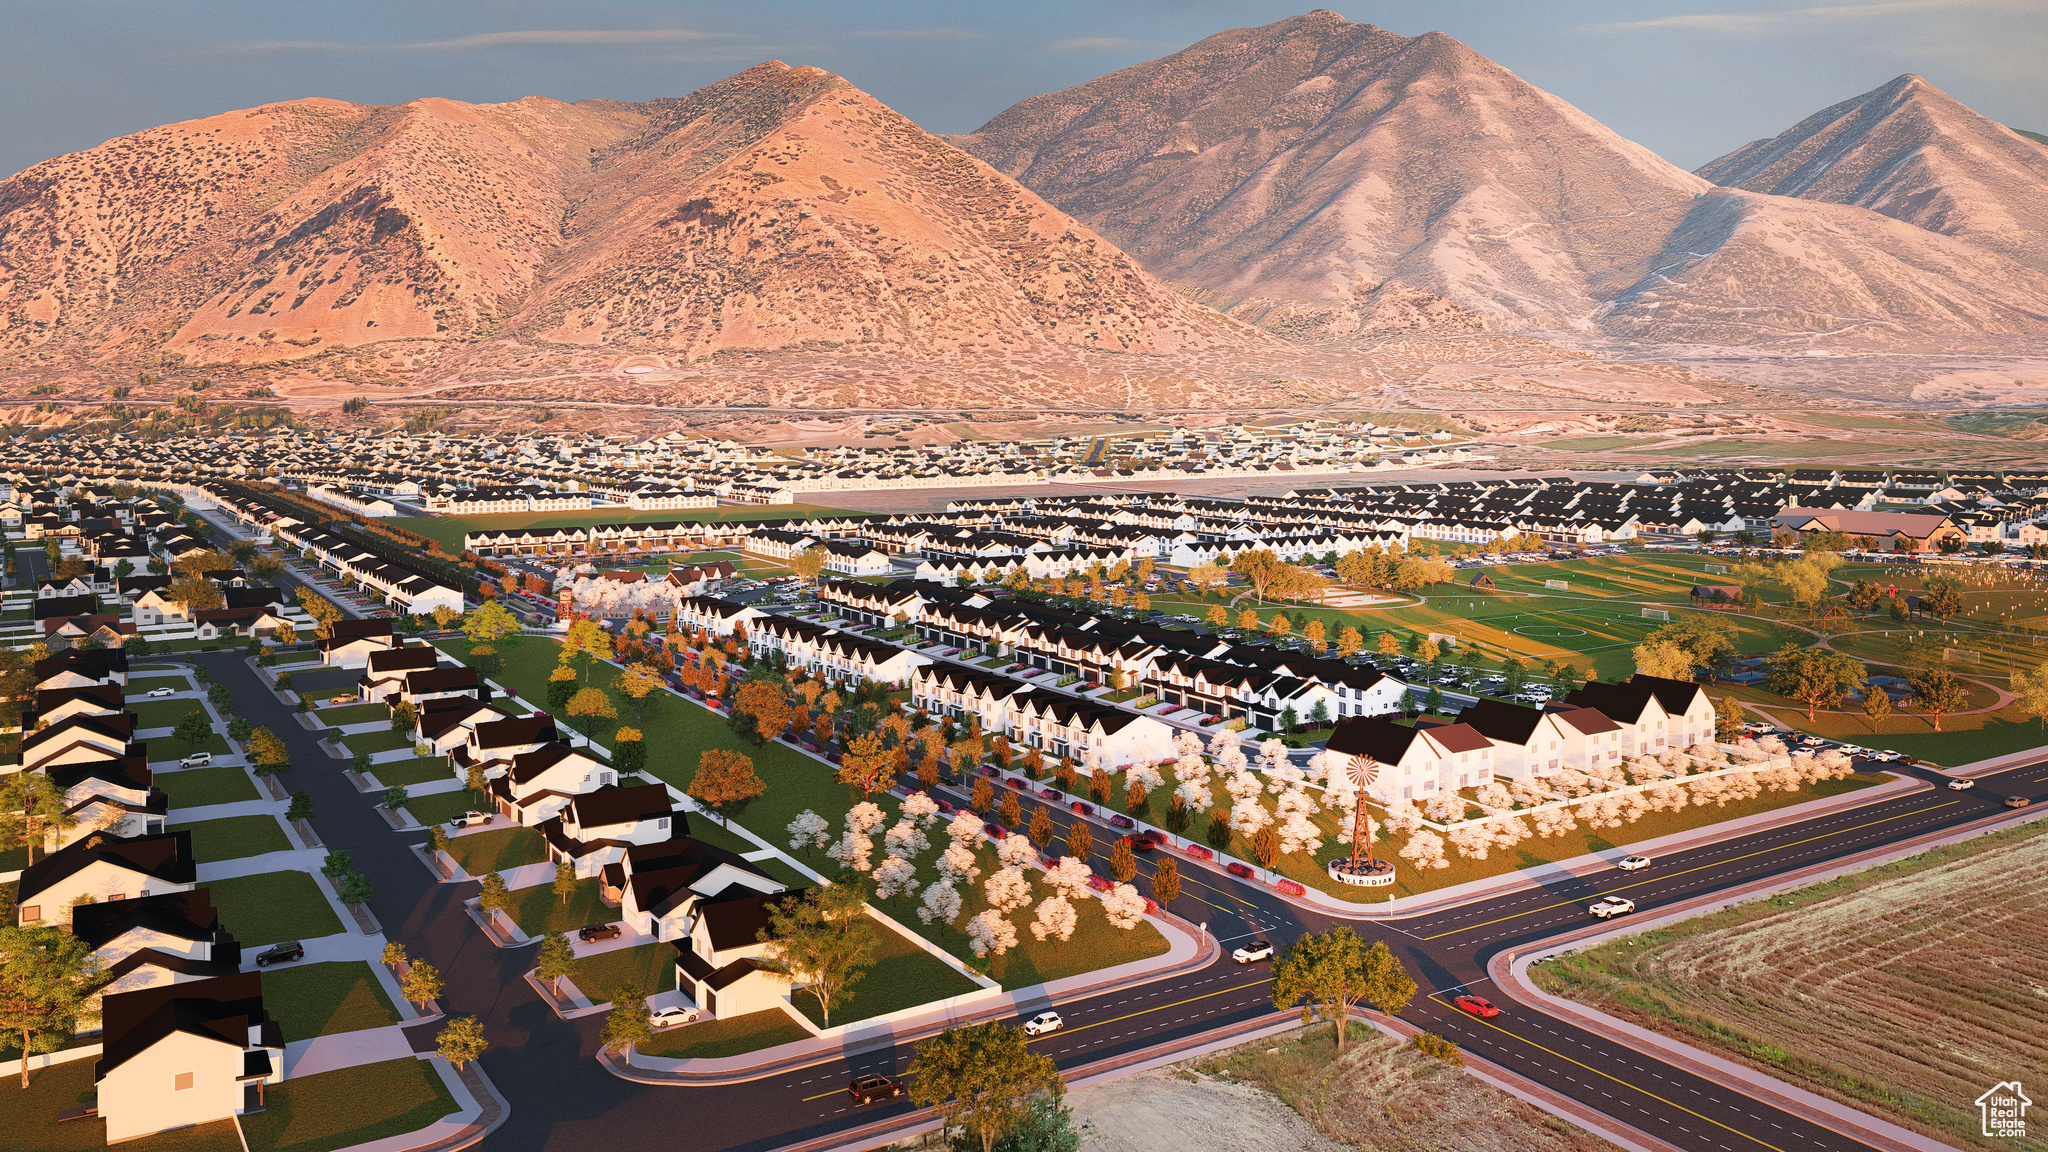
309,1000
420,770
710,1039
172,748
30,1117
273,906
348,1106
235,837
1962,739
904,976
500,848
651,966
375,742
164,713
352,714
540,911
442,807
199,787
790,877
706,828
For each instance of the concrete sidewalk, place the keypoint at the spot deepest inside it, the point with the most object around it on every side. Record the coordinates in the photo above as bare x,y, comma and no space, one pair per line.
346,1050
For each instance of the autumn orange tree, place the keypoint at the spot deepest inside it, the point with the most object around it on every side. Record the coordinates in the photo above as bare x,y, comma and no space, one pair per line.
760,711
867,766
724,779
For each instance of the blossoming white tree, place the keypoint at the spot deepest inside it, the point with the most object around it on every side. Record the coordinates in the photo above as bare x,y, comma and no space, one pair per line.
920,809
808,830
1056,917
1123,906
1070,877
1146,776
957,863
1007,890
941,903
1425,849
906,839
989,934
895,875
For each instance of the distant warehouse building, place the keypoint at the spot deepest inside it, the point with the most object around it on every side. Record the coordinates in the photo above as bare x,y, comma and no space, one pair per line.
1888,531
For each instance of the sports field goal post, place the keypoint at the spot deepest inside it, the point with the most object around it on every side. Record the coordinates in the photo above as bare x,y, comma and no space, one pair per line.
1962,656
1656,614
1558,585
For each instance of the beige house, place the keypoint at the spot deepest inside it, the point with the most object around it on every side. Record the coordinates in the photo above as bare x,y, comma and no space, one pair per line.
183,1054
102,868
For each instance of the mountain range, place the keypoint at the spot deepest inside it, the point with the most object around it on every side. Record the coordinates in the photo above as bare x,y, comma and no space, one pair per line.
1312,181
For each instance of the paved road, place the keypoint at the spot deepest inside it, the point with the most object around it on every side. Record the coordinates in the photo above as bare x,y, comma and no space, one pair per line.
563,1099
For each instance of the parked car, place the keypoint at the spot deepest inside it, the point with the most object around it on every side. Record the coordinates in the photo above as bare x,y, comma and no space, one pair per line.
1633,863
590,932
1256,950
281,953
1608,907
471,817
1081,809
196,760
161,692
1043,1023
1475,1005
868,1089
1242,871
672,1016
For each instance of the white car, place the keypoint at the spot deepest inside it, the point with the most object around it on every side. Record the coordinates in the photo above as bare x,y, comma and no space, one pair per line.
472,817
1251,952
672,1016
161,692
1962,785
1043,1023
1611,906
1633,863
196,760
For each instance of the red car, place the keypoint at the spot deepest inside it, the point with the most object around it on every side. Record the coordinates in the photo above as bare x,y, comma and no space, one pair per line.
1475,1005
1141,843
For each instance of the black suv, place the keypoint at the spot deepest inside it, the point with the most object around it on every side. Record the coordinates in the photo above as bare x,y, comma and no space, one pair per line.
281,953
868,1089
591,932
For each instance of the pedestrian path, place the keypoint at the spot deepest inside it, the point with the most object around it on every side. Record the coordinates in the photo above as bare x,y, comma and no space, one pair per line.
227,811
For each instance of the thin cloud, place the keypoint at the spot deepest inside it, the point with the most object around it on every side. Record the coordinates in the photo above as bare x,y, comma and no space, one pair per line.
485,41
1095,44
916,34
1754,22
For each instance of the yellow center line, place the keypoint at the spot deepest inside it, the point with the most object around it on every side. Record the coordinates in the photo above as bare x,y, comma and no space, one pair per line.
1154,1008
1700,868
1626,1084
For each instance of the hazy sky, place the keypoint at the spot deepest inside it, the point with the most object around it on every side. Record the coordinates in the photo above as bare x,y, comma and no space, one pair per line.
1690,80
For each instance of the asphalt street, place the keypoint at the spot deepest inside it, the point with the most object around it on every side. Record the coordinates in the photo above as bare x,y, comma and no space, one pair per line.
562,1098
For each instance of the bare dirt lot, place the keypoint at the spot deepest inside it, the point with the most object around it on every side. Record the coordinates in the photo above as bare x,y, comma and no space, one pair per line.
1906,990
1288,1094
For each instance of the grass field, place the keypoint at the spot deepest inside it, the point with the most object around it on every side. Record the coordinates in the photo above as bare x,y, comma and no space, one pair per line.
651,966
199,787
726,1037
442,807
903,976
164,713
375,742
349,1106
449,530
342,714
273,906
1594,443
538,910
28,1117
410,772
235,837
1858,988
481,852
309,1000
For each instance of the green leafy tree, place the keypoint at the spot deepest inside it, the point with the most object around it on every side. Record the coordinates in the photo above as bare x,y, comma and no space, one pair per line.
220,696
194,729
422,983
564,884
460,1041
46,974
239,729
1165,882
1937,691
359,763
396,797
301,806
404,715
31,807
1329,971
493,896
337,864
1728,719
561,686
1877,707
355,888
629,1022
2030,685
984,1078
557,960
1812,677
823,941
